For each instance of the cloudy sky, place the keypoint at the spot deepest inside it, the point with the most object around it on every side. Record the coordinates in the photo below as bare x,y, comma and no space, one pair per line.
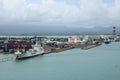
68,13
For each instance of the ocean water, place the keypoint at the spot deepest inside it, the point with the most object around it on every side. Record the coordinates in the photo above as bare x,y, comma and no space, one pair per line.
100,63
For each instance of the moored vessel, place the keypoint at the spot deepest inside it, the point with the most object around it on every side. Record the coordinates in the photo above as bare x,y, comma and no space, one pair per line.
35,51
107,41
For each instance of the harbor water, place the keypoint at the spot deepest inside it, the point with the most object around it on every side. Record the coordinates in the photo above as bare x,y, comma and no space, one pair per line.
99,63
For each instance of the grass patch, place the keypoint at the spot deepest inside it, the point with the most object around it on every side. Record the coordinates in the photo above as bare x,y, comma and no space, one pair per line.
60,50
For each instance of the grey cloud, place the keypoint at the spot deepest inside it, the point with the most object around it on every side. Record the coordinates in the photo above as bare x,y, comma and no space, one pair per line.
52,12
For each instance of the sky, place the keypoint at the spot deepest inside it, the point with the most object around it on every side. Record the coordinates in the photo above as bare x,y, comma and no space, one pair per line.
59,13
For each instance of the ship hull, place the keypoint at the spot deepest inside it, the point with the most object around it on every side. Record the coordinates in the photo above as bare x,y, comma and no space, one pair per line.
21,58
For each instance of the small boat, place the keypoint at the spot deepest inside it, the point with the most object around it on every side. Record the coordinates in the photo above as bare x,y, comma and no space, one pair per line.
35,51
107,41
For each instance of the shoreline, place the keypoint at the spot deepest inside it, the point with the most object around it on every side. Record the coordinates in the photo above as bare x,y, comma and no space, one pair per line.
62,49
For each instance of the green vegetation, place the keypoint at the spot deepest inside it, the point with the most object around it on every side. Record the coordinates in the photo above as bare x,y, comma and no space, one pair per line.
60,50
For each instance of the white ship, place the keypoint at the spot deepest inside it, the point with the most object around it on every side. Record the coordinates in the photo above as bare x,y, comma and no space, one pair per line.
35,51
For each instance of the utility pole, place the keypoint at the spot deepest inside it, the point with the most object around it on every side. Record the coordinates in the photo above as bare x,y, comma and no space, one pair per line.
114,30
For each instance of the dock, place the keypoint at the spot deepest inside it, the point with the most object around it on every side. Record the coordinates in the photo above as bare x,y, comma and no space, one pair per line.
52,44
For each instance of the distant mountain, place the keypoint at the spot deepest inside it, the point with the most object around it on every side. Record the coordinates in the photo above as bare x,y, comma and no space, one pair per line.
52,30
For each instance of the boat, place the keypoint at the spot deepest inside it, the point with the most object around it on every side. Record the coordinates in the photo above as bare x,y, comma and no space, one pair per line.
35,51
107,41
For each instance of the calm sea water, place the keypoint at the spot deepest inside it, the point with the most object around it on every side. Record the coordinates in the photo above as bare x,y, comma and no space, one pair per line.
100,63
